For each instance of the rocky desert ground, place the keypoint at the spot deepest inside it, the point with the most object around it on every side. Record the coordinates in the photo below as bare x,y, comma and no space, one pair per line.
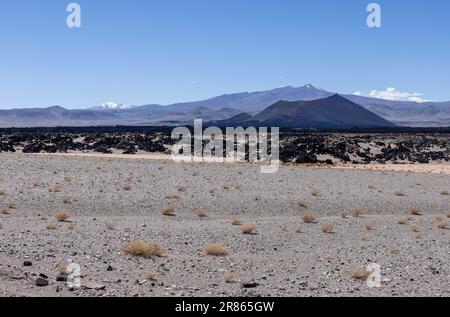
140,227
394,146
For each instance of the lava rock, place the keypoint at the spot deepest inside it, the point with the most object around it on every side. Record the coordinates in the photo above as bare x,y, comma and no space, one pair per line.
41,282
250,284
62,277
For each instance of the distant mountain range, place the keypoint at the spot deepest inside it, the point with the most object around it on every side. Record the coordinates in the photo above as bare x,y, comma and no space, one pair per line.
264,106
407,113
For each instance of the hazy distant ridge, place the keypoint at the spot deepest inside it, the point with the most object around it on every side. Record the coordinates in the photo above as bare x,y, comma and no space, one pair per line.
430,114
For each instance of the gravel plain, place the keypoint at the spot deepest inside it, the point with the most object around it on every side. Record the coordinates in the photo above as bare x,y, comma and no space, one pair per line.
114,201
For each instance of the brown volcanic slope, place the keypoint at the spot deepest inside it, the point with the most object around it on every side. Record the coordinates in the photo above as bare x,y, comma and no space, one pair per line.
332,112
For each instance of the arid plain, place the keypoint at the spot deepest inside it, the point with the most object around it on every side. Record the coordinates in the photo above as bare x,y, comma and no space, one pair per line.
140,227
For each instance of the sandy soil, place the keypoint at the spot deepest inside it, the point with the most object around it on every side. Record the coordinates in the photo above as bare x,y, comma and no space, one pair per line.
285,256
443,168
435,168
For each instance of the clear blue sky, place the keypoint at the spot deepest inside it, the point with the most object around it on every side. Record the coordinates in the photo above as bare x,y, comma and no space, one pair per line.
163,51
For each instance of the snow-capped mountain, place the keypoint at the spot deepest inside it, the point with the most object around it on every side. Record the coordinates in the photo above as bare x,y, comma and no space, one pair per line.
114,106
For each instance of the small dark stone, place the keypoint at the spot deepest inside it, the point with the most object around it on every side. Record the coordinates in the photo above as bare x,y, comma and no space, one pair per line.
27,263
41,282
109,268
250,284
62,278
43,275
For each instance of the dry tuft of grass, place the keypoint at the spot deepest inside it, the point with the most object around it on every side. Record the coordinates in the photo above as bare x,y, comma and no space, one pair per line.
364,238
236,221
415,228
443,226
150,276
143,249
4,211
11,206
212,190
35,184
393,251
231,186
308,217
71,226
416,212
344,215
314,193
369,226
448,215
62,216
110,226
327,228
215,249
298,231
181,189
402,221
51,226
68,179
67,201
356,213
2,191
164,233
359,273
445,193
55,189
62,268
170,197
303,205
168,211
229,277
127,188
201,213
399,194
248,229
